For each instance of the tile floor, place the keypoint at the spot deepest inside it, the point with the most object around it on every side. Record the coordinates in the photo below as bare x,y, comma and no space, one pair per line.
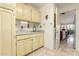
59,52
64,50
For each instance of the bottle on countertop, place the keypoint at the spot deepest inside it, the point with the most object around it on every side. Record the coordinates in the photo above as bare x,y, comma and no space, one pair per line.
34,28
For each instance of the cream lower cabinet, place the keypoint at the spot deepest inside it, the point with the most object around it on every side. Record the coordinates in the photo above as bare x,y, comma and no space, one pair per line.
20,50
27,46
41,41
35,42
24,47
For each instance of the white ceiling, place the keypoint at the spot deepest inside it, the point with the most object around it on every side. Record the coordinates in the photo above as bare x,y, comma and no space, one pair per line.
66,4
68,17
63,4
38,5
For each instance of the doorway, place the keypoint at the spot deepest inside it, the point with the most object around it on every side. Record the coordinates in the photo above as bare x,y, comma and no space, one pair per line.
67,29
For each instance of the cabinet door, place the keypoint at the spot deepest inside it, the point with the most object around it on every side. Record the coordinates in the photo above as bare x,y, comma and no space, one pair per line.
19,11
35,15
20,48
35,43
27,12
6,32
39,16
41,41
27,46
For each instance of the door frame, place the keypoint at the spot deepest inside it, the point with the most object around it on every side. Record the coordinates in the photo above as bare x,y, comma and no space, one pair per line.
57,29
59,34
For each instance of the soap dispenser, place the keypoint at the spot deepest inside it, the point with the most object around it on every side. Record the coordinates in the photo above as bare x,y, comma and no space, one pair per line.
34,28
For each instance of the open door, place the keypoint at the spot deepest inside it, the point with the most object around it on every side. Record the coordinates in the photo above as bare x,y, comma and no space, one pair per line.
57,29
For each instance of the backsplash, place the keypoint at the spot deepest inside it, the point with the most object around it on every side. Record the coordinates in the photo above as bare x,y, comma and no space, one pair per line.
22,26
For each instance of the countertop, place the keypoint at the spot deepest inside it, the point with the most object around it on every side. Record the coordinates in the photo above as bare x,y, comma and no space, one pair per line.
28,33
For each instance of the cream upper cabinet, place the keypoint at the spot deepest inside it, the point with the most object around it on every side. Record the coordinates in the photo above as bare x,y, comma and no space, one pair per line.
38,16
27,46
19,11
35,43
20,50
27,12
6,32
35,15
23,12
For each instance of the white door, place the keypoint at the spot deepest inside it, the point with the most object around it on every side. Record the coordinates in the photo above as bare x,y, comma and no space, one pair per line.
57,30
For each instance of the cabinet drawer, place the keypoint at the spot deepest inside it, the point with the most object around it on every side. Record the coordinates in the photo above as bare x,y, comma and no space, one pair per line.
23,37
